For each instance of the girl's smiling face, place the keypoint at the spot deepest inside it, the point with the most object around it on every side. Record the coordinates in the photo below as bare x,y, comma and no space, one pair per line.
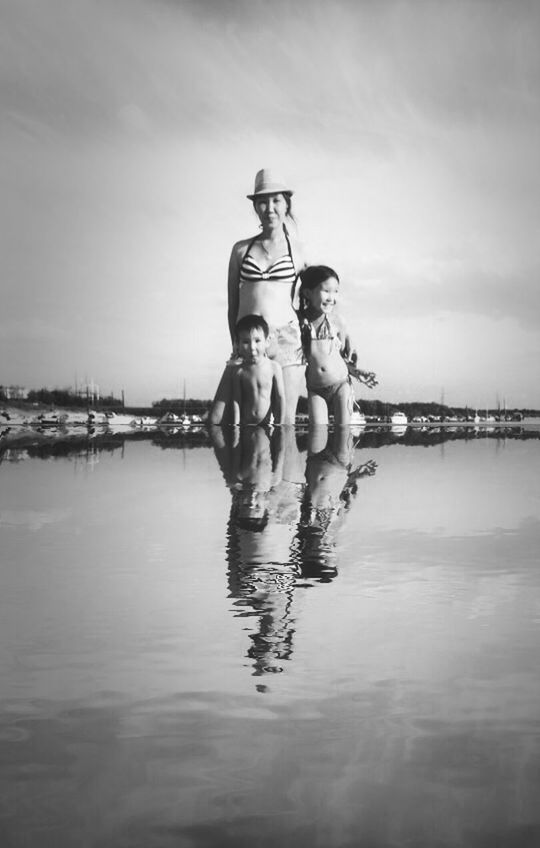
323,297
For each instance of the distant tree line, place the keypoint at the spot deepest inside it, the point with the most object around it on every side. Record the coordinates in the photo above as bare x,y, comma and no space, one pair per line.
192,406
375,408
370,408
417,409
67,397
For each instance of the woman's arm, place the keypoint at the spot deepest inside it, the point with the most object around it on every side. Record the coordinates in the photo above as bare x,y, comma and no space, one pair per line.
233,287
278,395
299,262
236,398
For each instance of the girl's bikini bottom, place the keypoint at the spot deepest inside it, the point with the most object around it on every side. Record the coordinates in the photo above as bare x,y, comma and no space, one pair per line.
328,393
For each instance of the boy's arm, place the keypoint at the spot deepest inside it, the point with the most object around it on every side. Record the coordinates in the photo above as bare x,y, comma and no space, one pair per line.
278,395
236,397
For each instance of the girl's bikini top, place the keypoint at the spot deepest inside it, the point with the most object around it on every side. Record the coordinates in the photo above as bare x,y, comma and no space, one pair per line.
325,330
280,271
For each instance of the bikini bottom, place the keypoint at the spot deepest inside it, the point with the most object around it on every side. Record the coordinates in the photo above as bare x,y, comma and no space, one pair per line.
328,393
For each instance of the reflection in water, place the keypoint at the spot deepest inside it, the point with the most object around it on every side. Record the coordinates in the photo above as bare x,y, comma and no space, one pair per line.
407,713
331,485
283,524
19,443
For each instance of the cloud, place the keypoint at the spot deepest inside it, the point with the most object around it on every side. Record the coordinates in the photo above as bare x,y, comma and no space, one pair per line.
458,290
208,65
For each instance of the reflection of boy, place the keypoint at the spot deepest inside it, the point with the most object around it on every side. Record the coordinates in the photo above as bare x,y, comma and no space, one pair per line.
258,392
261,574
253,476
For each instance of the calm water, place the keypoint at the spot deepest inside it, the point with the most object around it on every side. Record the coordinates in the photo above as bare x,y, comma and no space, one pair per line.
286,642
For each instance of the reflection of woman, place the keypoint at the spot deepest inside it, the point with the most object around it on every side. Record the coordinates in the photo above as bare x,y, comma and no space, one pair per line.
262,277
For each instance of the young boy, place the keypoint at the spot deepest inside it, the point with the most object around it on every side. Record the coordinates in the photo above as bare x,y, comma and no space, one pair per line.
258,391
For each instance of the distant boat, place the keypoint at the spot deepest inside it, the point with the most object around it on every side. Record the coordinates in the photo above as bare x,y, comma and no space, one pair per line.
119,418
489,419
118,422
170,419
358,422
96,419
358,419
47,420
74,418
179,422
399,418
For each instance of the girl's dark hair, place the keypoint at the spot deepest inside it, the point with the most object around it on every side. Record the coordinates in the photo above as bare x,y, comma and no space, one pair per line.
314,275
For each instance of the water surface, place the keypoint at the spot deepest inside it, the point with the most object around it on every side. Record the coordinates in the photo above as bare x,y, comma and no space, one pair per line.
271,641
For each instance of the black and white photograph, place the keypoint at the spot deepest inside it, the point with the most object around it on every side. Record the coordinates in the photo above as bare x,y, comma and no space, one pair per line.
269,424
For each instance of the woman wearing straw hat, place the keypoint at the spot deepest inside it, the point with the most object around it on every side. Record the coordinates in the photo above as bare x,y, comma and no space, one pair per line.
263,271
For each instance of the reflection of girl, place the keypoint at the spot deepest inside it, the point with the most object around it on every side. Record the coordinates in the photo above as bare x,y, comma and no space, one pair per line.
262,278
331,485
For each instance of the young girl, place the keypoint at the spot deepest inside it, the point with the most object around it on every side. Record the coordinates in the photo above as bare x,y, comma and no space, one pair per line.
330,362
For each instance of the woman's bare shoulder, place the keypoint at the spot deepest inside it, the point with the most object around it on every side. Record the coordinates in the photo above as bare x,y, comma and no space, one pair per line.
239,247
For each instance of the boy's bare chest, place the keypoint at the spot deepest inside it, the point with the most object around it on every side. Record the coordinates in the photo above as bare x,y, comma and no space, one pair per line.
257,377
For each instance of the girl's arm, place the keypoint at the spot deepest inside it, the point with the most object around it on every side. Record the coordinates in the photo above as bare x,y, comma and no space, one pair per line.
350,356
347,349
278,395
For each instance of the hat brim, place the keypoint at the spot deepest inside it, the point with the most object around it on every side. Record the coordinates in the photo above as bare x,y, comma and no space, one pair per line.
267,191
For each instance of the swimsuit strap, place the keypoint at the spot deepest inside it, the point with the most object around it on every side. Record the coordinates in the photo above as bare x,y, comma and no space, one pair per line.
247,257
259,236
325,329
250,245
289,249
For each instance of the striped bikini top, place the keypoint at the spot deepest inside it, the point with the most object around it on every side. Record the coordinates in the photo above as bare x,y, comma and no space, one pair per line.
280,271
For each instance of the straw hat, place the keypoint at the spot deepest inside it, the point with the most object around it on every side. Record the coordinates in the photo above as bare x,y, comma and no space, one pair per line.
266,182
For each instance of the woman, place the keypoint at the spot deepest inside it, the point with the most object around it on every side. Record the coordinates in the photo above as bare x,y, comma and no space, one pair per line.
263,271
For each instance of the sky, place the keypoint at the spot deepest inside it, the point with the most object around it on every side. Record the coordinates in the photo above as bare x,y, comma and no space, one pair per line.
130,134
